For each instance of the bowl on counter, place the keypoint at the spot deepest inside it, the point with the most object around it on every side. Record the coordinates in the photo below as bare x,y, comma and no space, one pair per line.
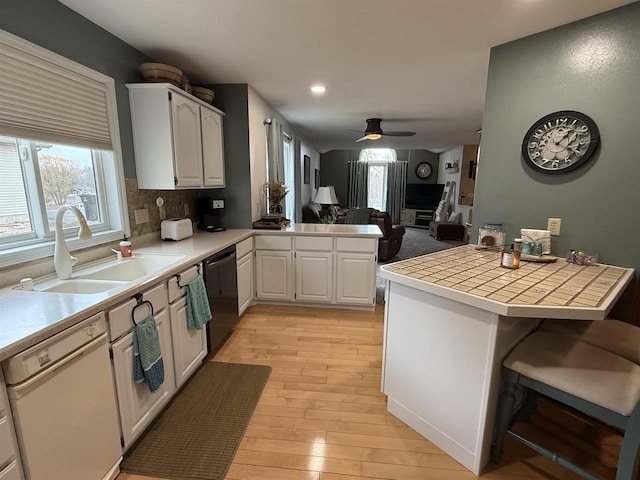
204,94
161,72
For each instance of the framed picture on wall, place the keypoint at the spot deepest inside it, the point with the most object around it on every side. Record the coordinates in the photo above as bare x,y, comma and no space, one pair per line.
307,170
317,179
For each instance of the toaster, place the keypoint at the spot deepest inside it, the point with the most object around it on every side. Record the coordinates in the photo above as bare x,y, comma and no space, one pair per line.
176,229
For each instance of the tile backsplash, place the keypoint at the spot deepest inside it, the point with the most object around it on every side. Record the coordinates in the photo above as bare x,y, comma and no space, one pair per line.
174,206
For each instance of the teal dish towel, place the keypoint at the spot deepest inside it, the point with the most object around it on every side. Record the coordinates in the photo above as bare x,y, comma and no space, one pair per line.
198,311
147,357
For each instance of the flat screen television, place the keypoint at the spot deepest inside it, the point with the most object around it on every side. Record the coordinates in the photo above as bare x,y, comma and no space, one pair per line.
423,196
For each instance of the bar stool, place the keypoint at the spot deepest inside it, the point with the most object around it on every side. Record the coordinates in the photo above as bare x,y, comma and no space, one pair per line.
612,335
584,370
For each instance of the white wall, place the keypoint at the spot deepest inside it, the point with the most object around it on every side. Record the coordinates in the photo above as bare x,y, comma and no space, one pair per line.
259,110
451,156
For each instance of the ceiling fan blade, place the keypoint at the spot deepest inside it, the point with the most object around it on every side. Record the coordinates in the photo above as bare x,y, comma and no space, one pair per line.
361,139
399,134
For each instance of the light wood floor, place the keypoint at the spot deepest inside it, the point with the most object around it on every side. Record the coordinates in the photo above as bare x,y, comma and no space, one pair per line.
322,415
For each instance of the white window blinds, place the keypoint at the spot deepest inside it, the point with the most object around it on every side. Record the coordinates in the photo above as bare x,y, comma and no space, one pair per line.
61,102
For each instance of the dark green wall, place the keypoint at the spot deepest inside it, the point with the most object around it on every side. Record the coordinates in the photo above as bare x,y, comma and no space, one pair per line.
334,169
55,27
233,100
592,66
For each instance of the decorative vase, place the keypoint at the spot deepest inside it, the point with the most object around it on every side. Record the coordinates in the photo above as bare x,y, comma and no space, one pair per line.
275,208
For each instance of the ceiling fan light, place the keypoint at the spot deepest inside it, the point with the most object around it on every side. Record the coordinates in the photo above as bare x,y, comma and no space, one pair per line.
373,136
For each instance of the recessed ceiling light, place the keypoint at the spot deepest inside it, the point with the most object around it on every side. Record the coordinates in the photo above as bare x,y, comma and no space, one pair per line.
318,89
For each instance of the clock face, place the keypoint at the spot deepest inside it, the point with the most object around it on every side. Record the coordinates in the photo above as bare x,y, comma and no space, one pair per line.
560,142
423,170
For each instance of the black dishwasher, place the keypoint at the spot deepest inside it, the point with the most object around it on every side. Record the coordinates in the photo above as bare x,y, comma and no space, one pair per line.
222,289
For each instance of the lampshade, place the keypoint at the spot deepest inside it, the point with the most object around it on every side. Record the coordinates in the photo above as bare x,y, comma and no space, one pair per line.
326,196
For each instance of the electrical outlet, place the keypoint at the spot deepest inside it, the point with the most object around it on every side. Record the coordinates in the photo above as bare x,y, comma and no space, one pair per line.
553,225
186,209
162,212
141,216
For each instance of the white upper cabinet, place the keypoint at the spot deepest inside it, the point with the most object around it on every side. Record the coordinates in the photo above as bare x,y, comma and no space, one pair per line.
177,138
212,147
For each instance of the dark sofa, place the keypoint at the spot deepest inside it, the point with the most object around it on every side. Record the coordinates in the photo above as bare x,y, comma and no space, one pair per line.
390,242
311,213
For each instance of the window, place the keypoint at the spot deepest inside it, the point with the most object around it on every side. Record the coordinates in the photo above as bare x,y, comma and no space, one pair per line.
377,160
59,144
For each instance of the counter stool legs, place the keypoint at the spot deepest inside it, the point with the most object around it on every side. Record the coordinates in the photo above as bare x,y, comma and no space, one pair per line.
628,462
504,412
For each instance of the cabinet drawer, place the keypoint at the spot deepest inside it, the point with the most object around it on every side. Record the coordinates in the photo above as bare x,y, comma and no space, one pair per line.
120,317
273,242
7,451
364,245
177,288
318,244
11,472
244,247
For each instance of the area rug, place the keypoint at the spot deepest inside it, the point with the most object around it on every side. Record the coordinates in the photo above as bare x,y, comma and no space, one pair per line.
197,436
415,242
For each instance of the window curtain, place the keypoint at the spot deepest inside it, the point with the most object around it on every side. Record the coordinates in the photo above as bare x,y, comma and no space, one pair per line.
275,155
396,183
358,184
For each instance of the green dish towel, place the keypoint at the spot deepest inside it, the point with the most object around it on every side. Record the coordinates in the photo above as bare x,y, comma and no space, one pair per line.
148,365
198,311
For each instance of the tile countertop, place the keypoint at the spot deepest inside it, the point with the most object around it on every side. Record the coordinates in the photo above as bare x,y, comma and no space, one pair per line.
540,290
28,317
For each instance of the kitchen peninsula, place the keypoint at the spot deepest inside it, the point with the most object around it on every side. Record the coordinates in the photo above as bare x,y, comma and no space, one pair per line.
450,319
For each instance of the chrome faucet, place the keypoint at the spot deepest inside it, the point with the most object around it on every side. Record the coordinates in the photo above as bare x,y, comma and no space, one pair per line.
62,259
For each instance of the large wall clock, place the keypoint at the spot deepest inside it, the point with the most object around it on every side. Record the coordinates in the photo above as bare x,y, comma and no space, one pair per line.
423,170
560,142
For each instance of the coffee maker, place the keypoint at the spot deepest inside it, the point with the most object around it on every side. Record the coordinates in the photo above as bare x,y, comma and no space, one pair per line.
209,210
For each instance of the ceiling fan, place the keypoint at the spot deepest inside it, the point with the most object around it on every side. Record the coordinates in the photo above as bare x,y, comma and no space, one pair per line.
374,131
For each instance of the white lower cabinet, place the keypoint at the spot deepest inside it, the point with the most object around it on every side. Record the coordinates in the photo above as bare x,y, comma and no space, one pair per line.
356,260
189,346
353,278
273,275
10,467
137,404
325,269
314,269
244,268
314,277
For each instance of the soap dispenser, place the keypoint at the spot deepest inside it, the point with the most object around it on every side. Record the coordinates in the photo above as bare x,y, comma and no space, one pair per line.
125,248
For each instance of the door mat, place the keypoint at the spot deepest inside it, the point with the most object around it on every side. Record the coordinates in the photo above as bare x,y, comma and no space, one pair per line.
197,436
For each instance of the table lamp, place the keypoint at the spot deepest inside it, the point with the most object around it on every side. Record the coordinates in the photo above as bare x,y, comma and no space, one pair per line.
326,197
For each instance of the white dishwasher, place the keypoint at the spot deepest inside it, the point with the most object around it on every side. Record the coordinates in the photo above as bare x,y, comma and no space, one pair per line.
62,399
